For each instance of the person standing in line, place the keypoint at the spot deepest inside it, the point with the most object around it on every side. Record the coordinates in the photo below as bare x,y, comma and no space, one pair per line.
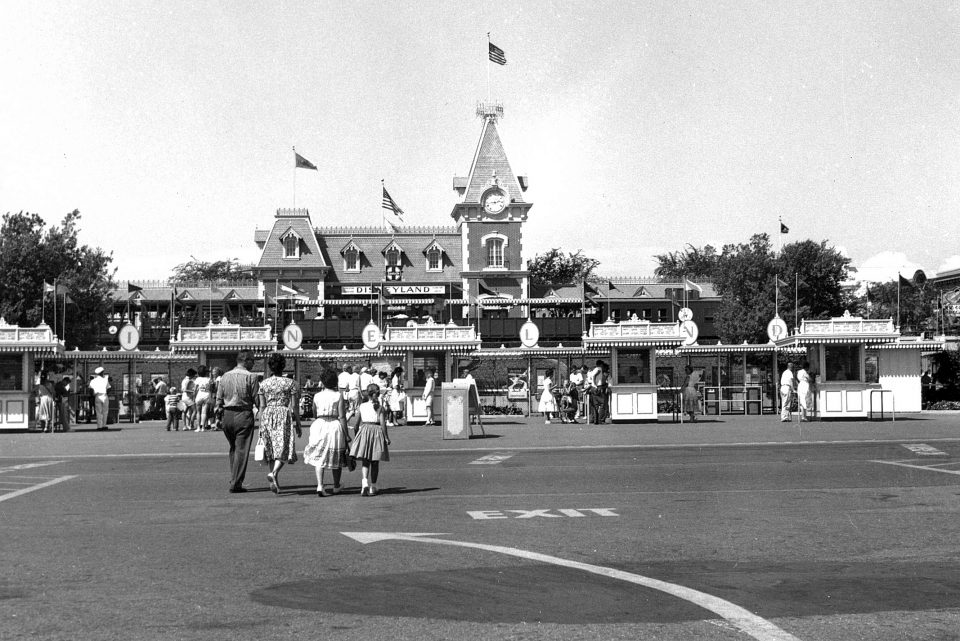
397,399
576,386
160,391
172,401
202,399
62,391
788,384
605,393
90,398
595,397
548,404
188,389
804,391
689,393
429,387
353,391
279,418
327,446
372,441
47,406
100,389
237,402
215,375
367,376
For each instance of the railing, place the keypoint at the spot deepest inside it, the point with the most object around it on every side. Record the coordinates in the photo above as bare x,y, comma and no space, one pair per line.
893,404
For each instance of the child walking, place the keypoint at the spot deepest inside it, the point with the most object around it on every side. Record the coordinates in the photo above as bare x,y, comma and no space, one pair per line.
172,400
370,445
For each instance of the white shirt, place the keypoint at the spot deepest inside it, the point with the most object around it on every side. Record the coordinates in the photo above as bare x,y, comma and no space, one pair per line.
99,385
343,380
428,387
787,379
365,380
577,378
353,381
594,378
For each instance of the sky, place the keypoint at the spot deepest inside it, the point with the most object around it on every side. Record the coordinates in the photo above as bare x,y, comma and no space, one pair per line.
643,127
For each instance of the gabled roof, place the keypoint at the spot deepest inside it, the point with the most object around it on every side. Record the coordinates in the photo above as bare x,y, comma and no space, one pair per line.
392,245
489,163
351,245
295,221
434,243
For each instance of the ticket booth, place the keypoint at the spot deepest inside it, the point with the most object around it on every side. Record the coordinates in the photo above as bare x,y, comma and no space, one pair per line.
420,347
216,345
862,367
633,346
19,348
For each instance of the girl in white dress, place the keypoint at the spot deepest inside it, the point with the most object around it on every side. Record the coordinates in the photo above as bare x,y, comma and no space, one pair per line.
370,445
327,447
804,392
548,404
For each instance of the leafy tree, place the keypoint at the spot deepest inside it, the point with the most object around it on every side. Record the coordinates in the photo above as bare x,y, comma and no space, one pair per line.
692,262
195,271
745,276
32,254
556,267
912,308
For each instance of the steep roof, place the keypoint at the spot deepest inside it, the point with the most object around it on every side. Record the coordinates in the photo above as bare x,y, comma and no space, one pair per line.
298,222
490,160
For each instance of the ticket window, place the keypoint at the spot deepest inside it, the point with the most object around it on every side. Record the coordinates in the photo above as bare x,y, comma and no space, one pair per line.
11,373
633,367
842,363
422,363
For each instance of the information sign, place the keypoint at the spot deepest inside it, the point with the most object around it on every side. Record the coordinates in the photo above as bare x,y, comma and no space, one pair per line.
292,336
129,337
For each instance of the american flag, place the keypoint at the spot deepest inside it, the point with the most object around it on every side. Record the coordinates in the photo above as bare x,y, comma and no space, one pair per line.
496,54
388,203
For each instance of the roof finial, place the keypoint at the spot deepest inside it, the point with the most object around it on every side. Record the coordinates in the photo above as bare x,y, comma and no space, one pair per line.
491,111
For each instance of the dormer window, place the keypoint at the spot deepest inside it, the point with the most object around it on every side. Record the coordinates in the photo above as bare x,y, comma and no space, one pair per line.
351,257
495,245
393,257
434,256
291,245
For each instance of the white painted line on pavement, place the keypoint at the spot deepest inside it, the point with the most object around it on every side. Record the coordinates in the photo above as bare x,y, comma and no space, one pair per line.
39,486
492,459
27,466
743,619
923,449
928,468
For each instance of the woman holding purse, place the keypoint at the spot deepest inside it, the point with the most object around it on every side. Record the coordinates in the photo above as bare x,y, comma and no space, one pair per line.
327,447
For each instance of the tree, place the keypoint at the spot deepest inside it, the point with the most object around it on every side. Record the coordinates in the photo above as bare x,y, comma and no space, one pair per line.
31,255
195,271
912,308
745,276
557,268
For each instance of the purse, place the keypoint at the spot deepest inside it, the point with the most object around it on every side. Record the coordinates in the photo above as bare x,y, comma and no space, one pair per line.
258,453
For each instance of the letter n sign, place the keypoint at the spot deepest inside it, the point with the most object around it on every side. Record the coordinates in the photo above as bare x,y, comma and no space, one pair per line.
529,334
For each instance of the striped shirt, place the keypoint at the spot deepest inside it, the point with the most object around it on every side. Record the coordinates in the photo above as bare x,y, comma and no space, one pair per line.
238,389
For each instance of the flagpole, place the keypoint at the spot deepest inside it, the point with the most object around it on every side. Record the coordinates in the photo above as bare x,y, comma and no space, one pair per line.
488,66
796,300
294,176
780,237
776,296
898,298
43,303
383,220
55,306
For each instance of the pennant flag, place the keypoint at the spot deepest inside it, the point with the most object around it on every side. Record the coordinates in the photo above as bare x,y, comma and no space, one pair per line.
388,203
903,282
268,300
67,300
589,289
289,290
496,54
47,287
303,163
133,288
689,286
610,285
486,290
782,283
784,229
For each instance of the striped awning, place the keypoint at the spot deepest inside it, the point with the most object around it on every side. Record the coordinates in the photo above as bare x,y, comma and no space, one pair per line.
848,339
332,354
32,348
924,345
639,342
364,301
533,302
394,348
260,346
540,352
123,355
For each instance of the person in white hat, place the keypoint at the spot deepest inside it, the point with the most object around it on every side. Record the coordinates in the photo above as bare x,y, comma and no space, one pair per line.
100,386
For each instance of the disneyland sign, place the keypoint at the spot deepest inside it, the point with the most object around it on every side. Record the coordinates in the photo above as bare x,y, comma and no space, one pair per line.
393,290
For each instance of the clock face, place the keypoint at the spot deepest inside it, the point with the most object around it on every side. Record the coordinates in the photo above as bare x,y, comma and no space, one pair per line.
494,202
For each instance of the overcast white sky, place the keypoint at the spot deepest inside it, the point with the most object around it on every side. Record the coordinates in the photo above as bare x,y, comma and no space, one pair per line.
642,126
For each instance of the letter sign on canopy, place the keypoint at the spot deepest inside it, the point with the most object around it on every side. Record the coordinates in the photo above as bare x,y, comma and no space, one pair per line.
371,336
776,329
292,336
529,334
129,337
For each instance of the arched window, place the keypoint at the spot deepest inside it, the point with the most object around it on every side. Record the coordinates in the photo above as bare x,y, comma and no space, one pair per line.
495,252
351,260
433,260
393,257
291,247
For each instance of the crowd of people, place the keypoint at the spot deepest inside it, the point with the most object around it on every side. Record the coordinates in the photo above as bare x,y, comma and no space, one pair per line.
350,425
584,395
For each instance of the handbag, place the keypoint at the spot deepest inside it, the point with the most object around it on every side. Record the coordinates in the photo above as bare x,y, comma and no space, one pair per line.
258,453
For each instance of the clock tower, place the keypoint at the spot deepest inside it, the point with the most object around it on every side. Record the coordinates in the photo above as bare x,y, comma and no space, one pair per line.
490,217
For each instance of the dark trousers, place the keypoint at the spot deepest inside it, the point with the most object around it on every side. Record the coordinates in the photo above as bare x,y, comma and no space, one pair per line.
596,407
238,428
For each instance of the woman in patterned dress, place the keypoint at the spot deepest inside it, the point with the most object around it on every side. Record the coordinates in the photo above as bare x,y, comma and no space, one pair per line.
370,445
279,417
327,447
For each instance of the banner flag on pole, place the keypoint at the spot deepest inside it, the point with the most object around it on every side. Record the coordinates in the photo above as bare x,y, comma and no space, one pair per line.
496,54
47,288
782,283
784,229
133,288
303,163
689,286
